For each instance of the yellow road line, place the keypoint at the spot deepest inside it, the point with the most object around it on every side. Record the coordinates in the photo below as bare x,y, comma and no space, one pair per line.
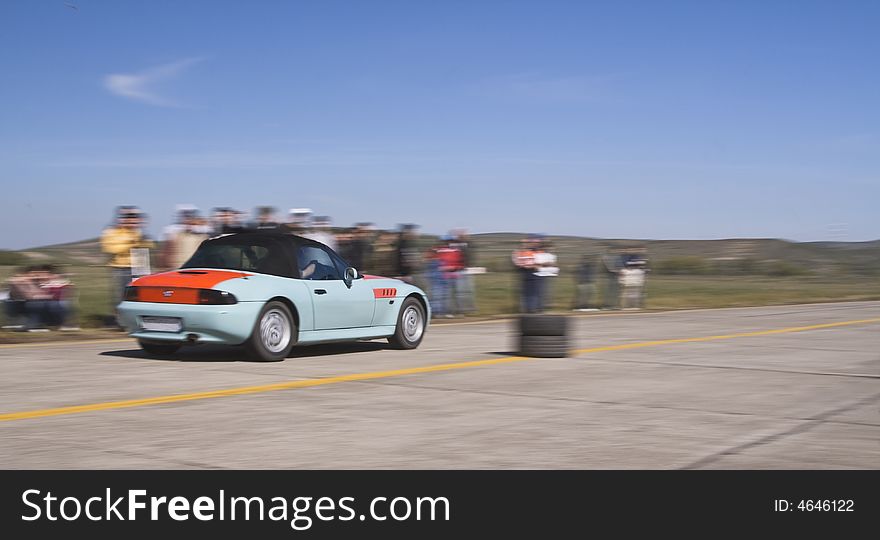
725,336
289,385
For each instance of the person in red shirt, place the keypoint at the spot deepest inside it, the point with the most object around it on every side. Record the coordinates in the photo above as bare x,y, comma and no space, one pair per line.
463,291
441,261
525,263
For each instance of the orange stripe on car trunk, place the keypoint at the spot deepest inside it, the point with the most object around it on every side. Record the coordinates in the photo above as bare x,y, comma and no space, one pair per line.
188,279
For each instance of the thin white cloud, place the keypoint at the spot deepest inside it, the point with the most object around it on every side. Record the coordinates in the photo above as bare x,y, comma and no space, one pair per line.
141,86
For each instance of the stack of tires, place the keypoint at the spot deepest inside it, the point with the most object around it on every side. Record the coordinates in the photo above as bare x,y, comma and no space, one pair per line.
544,336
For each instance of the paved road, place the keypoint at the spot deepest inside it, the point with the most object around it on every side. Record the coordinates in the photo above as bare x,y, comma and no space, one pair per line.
800,398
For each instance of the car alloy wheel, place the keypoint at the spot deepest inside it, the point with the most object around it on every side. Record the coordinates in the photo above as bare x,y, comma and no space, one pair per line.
275,331
413,324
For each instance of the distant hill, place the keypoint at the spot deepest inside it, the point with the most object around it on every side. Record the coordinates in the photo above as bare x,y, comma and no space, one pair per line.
821,257
493,250
84,252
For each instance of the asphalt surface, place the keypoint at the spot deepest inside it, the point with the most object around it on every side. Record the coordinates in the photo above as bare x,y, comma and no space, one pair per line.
800,398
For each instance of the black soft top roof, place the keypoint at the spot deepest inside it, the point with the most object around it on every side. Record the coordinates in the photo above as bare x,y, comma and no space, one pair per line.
257,234
281,259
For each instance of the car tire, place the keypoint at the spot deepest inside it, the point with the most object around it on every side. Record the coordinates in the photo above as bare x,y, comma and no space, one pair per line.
411,324
543,325
274,334
159,349
544,346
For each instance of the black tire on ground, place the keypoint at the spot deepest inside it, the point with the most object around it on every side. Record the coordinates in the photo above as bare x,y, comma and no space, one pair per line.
411,323
159,349
274,334
544,346
543,325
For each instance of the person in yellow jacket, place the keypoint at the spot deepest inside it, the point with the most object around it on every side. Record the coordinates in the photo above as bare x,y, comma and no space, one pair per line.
118,241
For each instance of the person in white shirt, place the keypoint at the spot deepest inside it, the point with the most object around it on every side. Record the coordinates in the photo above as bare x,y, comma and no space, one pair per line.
524,261
321,232
632,282
545,269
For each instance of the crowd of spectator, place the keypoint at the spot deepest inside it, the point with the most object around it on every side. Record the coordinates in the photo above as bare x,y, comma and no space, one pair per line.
625,272
39,297
445,265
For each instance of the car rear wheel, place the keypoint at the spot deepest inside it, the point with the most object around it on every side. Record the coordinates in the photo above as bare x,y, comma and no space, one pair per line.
273,335
158,349
410,325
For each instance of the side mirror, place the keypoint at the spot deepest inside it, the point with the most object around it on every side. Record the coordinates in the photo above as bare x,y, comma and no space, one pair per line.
350,275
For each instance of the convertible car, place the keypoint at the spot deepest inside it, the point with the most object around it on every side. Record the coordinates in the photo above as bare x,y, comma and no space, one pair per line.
270,291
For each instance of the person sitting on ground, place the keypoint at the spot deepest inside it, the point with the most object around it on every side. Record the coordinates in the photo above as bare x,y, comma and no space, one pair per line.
41,296
18,290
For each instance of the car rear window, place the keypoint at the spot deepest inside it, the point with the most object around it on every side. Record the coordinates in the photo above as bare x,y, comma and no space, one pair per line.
263,256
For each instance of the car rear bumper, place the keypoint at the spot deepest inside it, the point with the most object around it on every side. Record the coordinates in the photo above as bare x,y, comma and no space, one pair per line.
226,324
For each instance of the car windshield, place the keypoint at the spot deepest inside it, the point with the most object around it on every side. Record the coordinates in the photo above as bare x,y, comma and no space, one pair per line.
263,256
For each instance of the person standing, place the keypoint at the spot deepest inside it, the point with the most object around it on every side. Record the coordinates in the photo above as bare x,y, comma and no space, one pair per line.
181,245
226,221
464,284
265,218
546,269
641,263
439,286
344,238
611,267
524,261
358,249
118,242
321,232
299,221
384,253
632,280
585,283
451,266
406,254
182,212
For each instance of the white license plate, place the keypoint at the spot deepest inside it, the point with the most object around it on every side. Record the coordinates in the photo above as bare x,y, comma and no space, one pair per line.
161,324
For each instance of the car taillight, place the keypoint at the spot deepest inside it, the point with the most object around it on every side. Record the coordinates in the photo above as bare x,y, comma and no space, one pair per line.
131,294
211,296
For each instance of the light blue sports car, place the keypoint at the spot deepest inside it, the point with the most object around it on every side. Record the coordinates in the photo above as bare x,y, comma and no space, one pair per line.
270,291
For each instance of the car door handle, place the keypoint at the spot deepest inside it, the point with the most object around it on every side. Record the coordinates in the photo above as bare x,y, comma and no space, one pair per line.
320,291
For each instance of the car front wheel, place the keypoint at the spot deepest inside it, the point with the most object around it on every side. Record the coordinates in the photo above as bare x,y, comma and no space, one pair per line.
410,325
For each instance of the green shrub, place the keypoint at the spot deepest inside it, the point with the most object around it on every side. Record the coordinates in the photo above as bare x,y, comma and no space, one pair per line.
784,269
683,265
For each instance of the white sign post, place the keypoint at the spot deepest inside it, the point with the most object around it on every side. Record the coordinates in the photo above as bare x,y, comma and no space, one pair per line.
140,262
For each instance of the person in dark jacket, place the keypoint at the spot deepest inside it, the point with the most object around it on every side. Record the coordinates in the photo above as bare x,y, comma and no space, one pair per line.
611,265
585,282
359,248
406,258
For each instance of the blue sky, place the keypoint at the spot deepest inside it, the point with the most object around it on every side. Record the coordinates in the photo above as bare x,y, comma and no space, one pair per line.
616,119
